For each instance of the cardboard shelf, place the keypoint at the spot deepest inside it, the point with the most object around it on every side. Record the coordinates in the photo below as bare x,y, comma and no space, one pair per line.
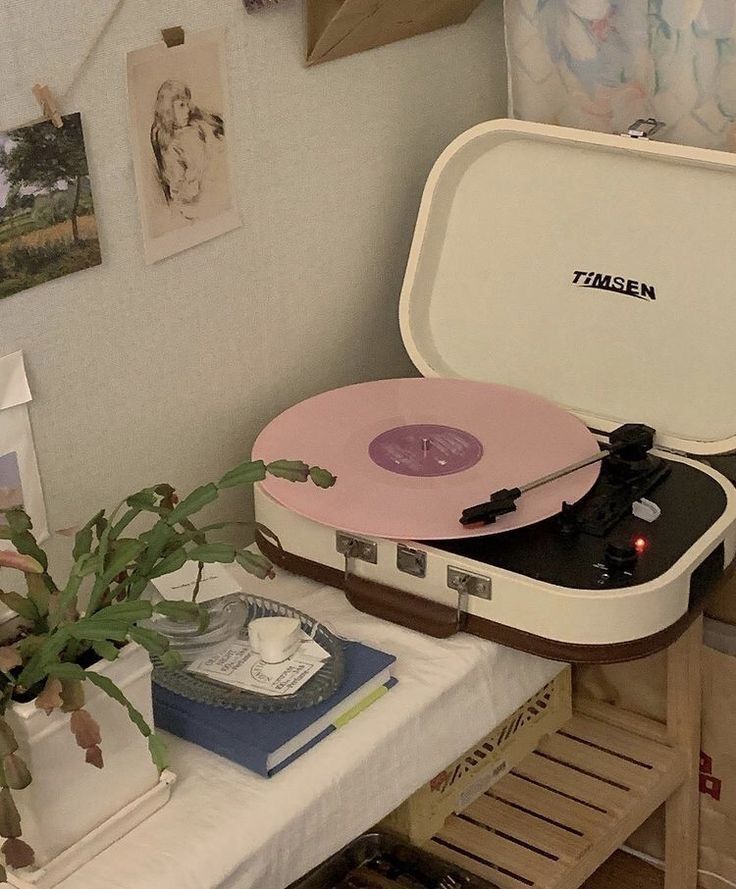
555,818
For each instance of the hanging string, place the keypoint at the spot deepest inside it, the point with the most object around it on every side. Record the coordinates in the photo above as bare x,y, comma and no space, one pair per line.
90,52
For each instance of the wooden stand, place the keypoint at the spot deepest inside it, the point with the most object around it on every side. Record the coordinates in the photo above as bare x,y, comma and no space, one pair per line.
553,820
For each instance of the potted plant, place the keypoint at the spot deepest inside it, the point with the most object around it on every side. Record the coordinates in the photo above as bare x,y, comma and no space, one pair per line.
83,639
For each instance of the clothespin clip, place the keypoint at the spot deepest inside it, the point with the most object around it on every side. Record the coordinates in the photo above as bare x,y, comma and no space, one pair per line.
173,36
48,104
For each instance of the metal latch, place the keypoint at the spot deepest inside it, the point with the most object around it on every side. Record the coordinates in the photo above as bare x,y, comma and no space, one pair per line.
411,561
356,548
468,584
644,128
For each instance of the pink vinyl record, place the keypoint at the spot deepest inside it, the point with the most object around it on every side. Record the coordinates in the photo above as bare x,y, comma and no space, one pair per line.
411,454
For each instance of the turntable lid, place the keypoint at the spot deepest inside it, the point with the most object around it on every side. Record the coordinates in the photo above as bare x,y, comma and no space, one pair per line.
598,271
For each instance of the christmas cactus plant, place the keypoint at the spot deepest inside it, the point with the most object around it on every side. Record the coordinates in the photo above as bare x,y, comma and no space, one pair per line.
63,629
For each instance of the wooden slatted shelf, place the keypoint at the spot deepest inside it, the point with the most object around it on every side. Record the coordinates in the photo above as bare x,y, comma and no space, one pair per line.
554,819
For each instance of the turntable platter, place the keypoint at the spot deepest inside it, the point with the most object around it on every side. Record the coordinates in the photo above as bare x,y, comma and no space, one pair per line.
411,454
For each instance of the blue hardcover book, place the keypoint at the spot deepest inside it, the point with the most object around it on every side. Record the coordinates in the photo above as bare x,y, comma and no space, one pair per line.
267,742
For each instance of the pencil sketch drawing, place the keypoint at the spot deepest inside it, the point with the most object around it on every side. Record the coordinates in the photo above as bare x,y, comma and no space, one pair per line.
181,134
187,143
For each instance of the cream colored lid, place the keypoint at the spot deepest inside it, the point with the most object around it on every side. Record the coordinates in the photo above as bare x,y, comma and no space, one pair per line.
517,218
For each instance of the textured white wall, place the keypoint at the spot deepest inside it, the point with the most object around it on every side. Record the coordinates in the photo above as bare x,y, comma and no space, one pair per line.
144,374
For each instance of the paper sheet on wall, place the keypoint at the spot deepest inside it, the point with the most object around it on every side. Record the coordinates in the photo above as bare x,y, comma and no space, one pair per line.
46,42
216,581
20,483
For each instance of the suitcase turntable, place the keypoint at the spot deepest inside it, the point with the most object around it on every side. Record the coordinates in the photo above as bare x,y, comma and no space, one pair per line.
471,499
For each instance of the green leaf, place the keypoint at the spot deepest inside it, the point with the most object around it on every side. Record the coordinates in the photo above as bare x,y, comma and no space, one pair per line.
321,477
153,642
172,562
130,612
179,611
192,503
145,499
82,542
293,470
20,605
49,652
212,552
101,584
86,564
18,519
192,533
119,526
256,564
29,645
83,537
135,587
68,672
26,544
245,474
172,659
155,540
106,650
126,550
38,593
88,630
67,600
158,752
5,532
100,524
112,691
186,612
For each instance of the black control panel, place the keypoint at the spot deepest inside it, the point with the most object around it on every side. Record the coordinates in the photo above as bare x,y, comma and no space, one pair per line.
572,551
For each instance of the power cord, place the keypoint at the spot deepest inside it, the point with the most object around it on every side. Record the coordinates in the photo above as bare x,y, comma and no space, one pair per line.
657,862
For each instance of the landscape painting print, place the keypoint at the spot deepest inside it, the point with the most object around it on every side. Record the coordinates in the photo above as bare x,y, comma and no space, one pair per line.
181,132
47,218
11,491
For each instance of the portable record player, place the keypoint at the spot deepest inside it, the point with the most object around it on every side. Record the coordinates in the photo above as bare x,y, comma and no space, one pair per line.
570,306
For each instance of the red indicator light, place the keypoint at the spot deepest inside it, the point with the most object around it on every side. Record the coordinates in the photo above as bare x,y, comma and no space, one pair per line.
640,544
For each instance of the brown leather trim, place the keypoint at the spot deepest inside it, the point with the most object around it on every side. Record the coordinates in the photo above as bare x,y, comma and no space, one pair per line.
432,618
574,653
407,609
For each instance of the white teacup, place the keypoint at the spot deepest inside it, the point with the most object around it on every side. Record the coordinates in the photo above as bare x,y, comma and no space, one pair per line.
275,638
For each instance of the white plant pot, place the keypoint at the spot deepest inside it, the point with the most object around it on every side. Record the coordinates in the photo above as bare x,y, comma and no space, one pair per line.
68,798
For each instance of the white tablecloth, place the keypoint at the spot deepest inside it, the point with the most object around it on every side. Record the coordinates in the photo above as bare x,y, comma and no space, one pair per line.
227,827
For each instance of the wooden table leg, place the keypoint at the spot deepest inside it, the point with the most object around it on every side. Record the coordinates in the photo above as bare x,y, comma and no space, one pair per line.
683,730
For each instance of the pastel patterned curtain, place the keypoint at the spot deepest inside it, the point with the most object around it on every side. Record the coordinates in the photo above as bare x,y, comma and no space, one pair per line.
601,64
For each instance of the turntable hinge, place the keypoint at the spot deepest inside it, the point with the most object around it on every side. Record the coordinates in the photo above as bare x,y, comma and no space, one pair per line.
411,561
467,583
356,548
644,128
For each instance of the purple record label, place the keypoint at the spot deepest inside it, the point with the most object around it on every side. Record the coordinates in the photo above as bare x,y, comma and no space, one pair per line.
424,450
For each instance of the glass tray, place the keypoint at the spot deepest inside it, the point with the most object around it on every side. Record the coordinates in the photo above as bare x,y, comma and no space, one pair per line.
246,608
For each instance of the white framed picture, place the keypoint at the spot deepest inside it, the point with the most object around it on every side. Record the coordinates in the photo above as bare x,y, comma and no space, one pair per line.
20,482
